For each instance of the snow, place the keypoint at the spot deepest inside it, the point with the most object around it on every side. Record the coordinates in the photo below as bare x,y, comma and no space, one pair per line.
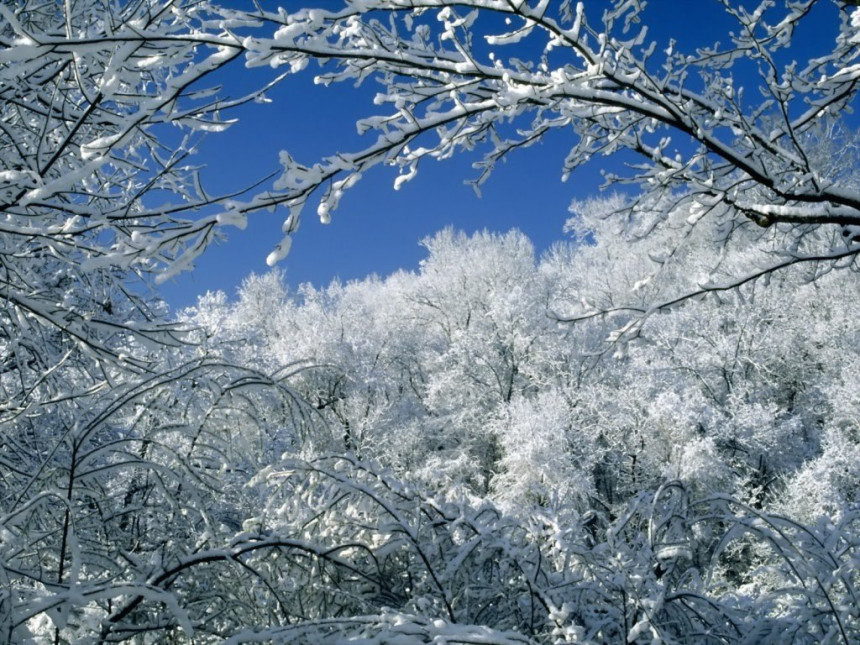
855,23
499,440
280,251
233,217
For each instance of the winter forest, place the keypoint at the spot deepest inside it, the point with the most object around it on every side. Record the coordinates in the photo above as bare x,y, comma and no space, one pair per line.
649,433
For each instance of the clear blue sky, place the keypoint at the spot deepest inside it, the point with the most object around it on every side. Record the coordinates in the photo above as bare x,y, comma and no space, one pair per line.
377,230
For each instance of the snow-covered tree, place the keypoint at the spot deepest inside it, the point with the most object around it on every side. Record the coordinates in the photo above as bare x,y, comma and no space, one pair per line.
431,456
646,478
102,106
113,433
729,134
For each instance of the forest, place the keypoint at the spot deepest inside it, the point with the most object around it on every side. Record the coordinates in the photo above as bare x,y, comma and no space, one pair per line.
648,433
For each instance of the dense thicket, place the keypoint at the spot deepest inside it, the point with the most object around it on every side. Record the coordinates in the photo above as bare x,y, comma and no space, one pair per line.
693,481
648,435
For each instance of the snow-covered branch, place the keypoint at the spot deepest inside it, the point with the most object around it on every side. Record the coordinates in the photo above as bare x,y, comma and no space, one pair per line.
455,81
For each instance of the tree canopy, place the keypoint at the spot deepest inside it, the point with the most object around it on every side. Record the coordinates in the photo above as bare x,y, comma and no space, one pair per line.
495,448
734,133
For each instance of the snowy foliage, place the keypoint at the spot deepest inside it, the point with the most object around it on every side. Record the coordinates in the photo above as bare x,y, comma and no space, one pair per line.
730,134
675,474
103,106
592,446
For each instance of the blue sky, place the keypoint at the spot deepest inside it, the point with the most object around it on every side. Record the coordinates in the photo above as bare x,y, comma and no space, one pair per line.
377,230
